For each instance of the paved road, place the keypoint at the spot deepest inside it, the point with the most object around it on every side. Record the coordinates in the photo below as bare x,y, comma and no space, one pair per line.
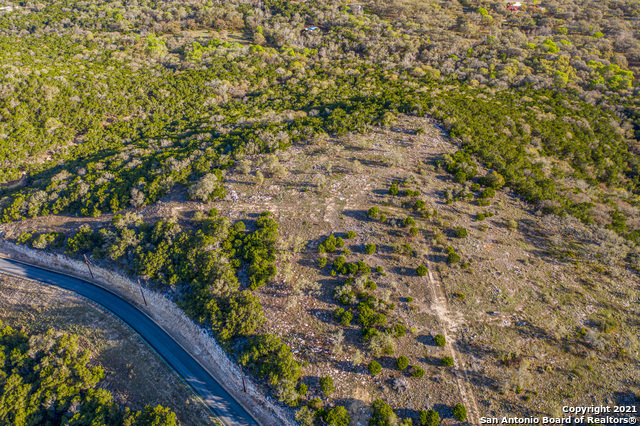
227,409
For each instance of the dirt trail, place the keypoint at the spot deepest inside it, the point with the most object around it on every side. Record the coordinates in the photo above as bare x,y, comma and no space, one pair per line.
440,306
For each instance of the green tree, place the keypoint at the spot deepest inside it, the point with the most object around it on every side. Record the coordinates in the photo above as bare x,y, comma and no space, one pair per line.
422,270
373,213
460,412
383,414
402,362
461,232
374,368
326,386
429,418
338,416
440,340
370,249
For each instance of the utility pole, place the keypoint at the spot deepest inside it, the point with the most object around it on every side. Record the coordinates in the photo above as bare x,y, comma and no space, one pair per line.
87,262
143,298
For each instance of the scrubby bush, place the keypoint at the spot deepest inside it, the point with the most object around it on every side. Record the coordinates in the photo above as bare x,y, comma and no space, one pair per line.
447,361
429,418
346,318
408,221
326,386
373,213
453,258
351,235
461,232
370,249
440,340
303,389
337,416
488,193
393,189
399,330
322,262
402,362
460,412
374,368
422,270
207,187
382,415
417,371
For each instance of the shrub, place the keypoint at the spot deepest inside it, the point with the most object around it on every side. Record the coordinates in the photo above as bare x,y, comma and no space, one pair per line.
383,218
303,389
488,193
422,270
419,205
409,299
351,235
447,361
330,244
453,258
408,221
383,415
460,412
429,418
379,269
414,231
512,225
461,232
207,188
417,371
24,238
480,217
339,242
326,386
322,262
393,189
460,176
346,319
370,249
399,330
338,416
440,340
375,368
402,362
494,180
373,213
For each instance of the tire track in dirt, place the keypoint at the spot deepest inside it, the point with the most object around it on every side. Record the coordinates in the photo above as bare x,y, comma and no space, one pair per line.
440,306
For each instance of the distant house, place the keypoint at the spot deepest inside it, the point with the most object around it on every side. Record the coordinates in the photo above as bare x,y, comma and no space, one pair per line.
514,7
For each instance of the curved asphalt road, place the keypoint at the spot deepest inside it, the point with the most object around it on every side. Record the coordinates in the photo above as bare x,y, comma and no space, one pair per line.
227,409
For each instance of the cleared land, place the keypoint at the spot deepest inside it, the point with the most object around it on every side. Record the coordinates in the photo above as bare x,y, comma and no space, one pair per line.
540,312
